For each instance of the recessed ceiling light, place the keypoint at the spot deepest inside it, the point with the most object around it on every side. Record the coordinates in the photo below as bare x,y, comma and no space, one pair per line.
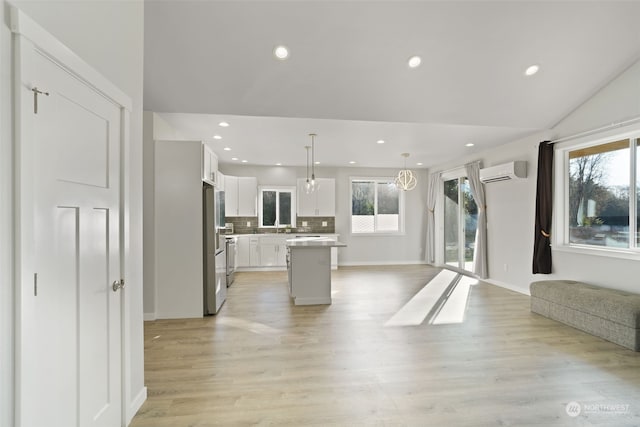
471,144
223,124
316,163
532,70
380,141
278,164
244,161
419,164
414,62
217,137
281,52
227,149
352,162
234,158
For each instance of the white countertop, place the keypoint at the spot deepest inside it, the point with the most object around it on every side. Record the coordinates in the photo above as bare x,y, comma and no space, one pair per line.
314,242
281,234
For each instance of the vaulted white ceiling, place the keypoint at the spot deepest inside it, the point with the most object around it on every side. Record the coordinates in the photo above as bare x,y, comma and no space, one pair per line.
347,77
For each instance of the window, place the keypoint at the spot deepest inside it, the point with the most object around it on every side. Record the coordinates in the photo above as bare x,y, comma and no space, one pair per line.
602,186
277,207
376,206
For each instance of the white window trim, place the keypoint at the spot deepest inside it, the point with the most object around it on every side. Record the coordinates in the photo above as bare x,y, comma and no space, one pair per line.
560,241
278,188
401,210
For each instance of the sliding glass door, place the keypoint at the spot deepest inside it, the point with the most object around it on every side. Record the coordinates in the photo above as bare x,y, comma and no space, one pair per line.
460,223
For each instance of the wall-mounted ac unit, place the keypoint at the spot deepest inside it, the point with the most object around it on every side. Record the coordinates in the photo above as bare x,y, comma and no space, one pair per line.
504,172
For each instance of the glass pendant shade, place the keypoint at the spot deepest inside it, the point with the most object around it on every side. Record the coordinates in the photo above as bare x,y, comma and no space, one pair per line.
309,185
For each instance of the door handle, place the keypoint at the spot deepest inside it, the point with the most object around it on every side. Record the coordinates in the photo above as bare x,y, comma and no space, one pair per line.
118,284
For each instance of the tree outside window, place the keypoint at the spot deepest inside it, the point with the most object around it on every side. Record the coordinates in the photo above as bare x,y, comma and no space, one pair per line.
277,207
599,203
375,206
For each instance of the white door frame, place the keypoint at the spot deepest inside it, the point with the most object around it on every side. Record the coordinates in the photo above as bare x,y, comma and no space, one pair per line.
29,37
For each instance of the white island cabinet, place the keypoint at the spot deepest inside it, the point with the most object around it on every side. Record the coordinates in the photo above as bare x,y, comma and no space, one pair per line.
309,269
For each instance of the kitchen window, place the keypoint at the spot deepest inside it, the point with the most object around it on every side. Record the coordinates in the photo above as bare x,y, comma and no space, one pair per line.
598,203
277,207
376,206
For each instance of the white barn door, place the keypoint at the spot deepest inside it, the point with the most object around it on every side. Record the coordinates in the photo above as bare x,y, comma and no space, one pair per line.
69,340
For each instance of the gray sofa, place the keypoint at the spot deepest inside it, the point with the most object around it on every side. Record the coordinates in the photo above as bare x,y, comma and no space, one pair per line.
607,313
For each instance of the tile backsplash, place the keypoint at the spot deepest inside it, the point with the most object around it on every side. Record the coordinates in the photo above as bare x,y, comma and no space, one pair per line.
304,224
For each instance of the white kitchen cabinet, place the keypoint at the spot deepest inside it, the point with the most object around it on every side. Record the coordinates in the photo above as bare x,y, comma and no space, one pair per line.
309,270
241,195
220,181
321,202
254,251
269,251
244,252
248,251
273,251
230,195
247,196
209,165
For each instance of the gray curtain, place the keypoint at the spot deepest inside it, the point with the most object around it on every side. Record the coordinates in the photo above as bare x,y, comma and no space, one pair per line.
477,191
432,194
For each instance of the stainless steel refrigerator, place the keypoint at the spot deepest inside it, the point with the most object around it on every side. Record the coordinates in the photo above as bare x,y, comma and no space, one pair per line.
215,263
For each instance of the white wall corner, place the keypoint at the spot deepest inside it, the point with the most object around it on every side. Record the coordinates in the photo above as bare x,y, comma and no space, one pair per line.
518,289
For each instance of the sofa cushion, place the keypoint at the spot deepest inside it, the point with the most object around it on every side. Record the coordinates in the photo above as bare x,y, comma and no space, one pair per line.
612,304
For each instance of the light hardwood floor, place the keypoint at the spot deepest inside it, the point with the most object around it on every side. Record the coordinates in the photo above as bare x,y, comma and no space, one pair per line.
263,361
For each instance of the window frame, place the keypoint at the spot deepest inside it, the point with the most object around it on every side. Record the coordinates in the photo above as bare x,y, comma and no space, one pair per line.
401,206
561,238
278,189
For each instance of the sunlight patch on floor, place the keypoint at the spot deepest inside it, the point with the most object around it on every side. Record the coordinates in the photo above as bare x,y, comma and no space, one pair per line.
455,306
256,328
416,310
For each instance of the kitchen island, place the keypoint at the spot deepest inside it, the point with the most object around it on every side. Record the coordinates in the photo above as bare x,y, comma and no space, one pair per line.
309,269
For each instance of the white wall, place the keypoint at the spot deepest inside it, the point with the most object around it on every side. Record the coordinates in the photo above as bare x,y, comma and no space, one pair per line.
618,101
361,250
511,204
178,230
87,28
148,289
155,128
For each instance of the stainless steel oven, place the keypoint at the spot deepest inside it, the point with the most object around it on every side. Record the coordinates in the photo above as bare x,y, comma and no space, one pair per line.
231,260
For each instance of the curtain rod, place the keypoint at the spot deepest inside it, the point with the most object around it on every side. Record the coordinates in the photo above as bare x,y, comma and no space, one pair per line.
458,167
596,130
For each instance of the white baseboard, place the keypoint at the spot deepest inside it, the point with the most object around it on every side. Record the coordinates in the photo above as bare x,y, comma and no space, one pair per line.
136,404
149,316
507,286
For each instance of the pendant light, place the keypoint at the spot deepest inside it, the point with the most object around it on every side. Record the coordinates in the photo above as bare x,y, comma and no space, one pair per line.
310,185
406,179
313,160
307,185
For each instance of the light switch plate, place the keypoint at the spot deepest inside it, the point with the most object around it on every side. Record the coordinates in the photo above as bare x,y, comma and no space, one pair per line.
304,223
324,223
248,223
